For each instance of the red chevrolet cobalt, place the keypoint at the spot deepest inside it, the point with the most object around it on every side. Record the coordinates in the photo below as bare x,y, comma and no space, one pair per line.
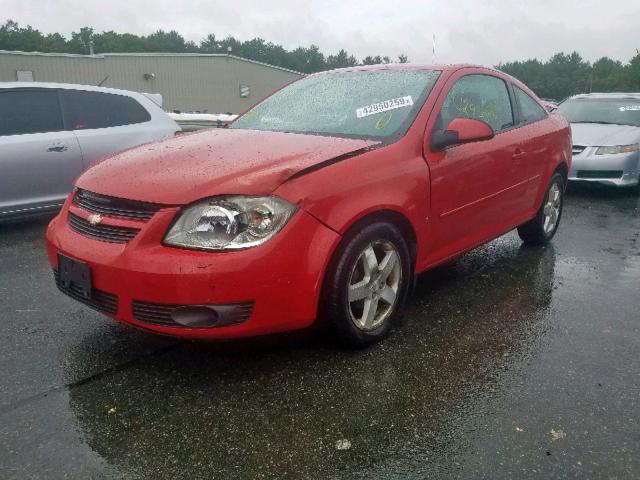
324,200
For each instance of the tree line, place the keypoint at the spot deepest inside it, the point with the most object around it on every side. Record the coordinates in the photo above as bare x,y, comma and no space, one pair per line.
567,74
302,59
556,78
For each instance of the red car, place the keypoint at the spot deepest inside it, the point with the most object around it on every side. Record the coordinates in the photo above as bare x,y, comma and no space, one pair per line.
323,200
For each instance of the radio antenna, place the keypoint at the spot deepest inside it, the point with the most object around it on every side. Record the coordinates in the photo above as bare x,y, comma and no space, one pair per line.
434,49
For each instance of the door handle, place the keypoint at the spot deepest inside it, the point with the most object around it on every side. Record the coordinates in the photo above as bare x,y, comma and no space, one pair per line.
519,154
57,148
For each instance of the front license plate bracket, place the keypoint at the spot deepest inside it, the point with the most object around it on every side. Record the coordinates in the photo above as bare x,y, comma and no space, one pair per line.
75,273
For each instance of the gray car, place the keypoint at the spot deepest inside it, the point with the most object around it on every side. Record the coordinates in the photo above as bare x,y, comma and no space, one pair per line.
606,137
50,133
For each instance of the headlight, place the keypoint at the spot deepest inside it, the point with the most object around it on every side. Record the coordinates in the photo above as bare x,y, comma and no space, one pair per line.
617,149
229,223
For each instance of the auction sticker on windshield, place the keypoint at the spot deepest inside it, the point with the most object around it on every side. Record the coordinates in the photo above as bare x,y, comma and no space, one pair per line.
384,106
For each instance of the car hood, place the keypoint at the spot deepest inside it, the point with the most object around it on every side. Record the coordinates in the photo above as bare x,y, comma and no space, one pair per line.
213,162
598,134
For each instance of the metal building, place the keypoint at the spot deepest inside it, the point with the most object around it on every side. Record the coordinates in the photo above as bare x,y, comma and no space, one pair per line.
215,83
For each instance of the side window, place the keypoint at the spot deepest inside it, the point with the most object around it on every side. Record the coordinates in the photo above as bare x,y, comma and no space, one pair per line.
480,97
530,110
87,110
29,111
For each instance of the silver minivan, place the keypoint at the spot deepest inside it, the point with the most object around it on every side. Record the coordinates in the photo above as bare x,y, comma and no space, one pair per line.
51,132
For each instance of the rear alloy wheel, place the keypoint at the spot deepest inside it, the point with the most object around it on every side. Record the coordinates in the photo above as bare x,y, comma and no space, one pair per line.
544,225
367,284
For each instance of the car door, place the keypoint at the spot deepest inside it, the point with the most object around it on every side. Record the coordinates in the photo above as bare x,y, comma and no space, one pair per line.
38,159
476,188
536,141
106,123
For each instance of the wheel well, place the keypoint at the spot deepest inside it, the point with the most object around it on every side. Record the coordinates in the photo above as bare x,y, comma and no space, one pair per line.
395,218
563,170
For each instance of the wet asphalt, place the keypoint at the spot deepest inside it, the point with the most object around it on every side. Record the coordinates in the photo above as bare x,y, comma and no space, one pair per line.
511,362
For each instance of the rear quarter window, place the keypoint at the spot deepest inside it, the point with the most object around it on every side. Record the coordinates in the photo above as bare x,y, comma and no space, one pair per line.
29,111
530,110
90,110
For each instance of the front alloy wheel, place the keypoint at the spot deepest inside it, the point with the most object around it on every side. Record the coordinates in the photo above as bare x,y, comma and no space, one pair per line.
374,285
367,283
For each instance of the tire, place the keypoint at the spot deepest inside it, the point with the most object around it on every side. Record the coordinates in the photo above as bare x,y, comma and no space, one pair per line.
537,231
367,283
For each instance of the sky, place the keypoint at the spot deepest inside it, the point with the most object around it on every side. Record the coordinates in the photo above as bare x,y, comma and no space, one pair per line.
476,31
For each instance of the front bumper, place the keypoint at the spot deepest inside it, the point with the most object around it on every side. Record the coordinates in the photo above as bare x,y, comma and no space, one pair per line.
621,170
281,279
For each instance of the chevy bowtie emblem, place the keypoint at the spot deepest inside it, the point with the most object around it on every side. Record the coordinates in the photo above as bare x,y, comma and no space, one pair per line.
95,219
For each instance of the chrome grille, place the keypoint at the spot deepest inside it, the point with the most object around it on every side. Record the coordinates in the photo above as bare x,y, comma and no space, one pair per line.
115,207
104,233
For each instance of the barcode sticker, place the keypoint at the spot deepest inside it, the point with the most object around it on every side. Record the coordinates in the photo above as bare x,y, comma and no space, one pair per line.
387,105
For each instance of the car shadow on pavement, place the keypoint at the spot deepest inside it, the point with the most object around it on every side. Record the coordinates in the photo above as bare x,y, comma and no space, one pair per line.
238,408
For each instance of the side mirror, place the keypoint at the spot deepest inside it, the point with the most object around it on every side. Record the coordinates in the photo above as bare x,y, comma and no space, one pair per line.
461,130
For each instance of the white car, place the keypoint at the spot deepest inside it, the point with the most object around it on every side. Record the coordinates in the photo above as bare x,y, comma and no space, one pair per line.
51,132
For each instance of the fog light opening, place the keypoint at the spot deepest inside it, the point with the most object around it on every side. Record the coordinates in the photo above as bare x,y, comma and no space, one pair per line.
195,316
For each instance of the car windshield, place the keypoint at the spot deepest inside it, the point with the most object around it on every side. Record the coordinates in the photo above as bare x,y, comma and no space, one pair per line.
362,104
618,111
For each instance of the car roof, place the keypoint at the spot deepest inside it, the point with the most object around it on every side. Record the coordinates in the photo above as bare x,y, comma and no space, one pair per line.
69,86
406,66
612,95
446,69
